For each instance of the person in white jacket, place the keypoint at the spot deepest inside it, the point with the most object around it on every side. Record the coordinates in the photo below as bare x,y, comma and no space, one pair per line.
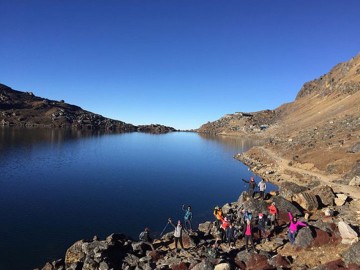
262,188
177,234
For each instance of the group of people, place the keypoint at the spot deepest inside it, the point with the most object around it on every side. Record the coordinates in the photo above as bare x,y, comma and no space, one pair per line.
252,186
235,225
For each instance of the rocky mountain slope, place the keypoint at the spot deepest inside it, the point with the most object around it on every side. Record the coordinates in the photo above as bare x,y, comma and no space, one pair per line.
320,130
24,109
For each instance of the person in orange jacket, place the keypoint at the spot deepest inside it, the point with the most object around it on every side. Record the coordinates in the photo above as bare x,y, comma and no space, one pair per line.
218,215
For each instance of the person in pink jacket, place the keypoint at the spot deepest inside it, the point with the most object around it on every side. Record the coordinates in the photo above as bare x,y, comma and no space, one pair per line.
293,228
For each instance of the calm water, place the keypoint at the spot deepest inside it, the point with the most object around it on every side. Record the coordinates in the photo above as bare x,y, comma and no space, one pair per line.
57,187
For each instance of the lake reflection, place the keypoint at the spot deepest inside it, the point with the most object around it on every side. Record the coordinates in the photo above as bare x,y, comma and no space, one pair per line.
59,186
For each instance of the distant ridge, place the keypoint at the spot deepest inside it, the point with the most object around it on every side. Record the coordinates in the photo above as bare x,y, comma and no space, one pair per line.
24,109
321,127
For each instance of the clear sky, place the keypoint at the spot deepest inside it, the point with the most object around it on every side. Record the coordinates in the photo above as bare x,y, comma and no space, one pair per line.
180,63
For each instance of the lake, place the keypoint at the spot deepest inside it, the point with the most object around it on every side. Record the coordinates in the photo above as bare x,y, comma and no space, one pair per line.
60,186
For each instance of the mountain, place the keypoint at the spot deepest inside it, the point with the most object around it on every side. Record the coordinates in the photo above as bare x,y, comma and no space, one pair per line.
320,128
27,110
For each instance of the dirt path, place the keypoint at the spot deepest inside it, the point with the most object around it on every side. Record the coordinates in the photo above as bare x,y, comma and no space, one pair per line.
283,167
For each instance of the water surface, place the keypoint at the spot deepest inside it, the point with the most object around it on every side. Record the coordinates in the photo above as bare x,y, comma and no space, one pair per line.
57,186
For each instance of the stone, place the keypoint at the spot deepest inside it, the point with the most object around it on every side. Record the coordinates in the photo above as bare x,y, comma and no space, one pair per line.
255,206
280,262
222,266
355,148
325,194
289,189
187,240
340,199
205,227
48,266
284,205
204,265
75,254
355,181
180,266
306,200
258,262
323,238
348,235
104,266
328,212
351,256
244,196
304,238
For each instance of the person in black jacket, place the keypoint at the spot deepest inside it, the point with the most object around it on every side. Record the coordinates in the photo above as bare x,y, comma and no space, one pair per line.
145,238
252,186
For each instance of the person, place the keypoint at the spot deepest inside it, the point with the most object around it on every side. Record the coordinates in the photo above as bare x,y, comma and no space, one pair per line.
230,235
248,235
187,218
177,234
261,226
273,211
262,189
145,238
224,225
252,186
218,215
293,227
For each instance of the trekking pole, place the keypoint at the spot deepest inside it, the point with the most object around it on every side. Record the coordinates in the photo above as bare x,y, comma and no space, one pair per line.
164,229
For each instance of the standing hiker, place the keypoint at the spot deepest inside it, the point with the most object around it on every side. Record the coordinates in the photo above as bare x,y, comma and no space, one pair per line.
177,234
293,227
273,211
262,189
187,218
145,238
261,227
248,235
230,235
252,186
218,215
224,225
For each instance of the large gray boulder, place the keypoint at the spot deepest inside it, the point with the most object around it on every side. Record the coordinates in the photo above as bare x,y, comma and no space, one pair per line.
304,238
325,194
75,254
289,189
306,200
352,255
348,235
284,205
255,206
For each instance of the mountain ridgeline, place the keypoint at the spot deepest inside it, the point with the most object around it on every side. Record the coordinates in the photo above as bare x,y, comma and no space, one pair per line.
321,127
24,109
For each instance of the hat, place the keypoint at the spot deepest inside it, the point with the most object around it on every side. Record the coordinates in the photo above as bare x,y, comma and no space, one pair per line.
251,178
261,215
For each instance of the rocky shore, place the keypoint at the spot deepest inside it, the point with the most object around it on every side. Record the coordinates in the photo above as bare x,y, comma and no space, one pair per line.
329,242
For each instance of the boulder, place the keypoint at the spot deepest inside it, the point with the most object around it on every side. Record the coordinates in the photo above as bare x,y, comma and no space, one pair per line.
244,196
180,266
283,205
205,227
325,194
280,262
340,199
187,240
355,181
304,238
323,238
75,254
255,206
222,266
351,256
204,265
306,200
288,189
258,262
328,212
355,148
348,235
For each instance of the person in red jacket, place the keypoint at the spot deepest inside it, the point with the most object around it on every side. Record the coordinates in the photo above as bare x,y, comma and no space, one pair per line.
225,223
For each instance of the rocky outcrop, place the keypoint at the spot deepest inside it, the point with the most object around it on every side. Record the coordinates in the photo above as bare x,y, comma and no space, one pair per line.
24,109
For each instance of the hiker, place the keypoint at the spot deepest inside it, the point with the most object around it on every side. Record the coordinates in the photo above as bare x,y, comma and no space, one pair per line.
293,227
252,186
230,235
273,215
262,189
224,225
187,218
177,234
261,226
218,215
145,238
248,235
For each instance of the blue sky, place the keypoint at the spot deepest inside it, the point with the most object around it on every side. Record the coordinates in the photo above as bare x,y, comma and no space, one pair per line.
180,63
